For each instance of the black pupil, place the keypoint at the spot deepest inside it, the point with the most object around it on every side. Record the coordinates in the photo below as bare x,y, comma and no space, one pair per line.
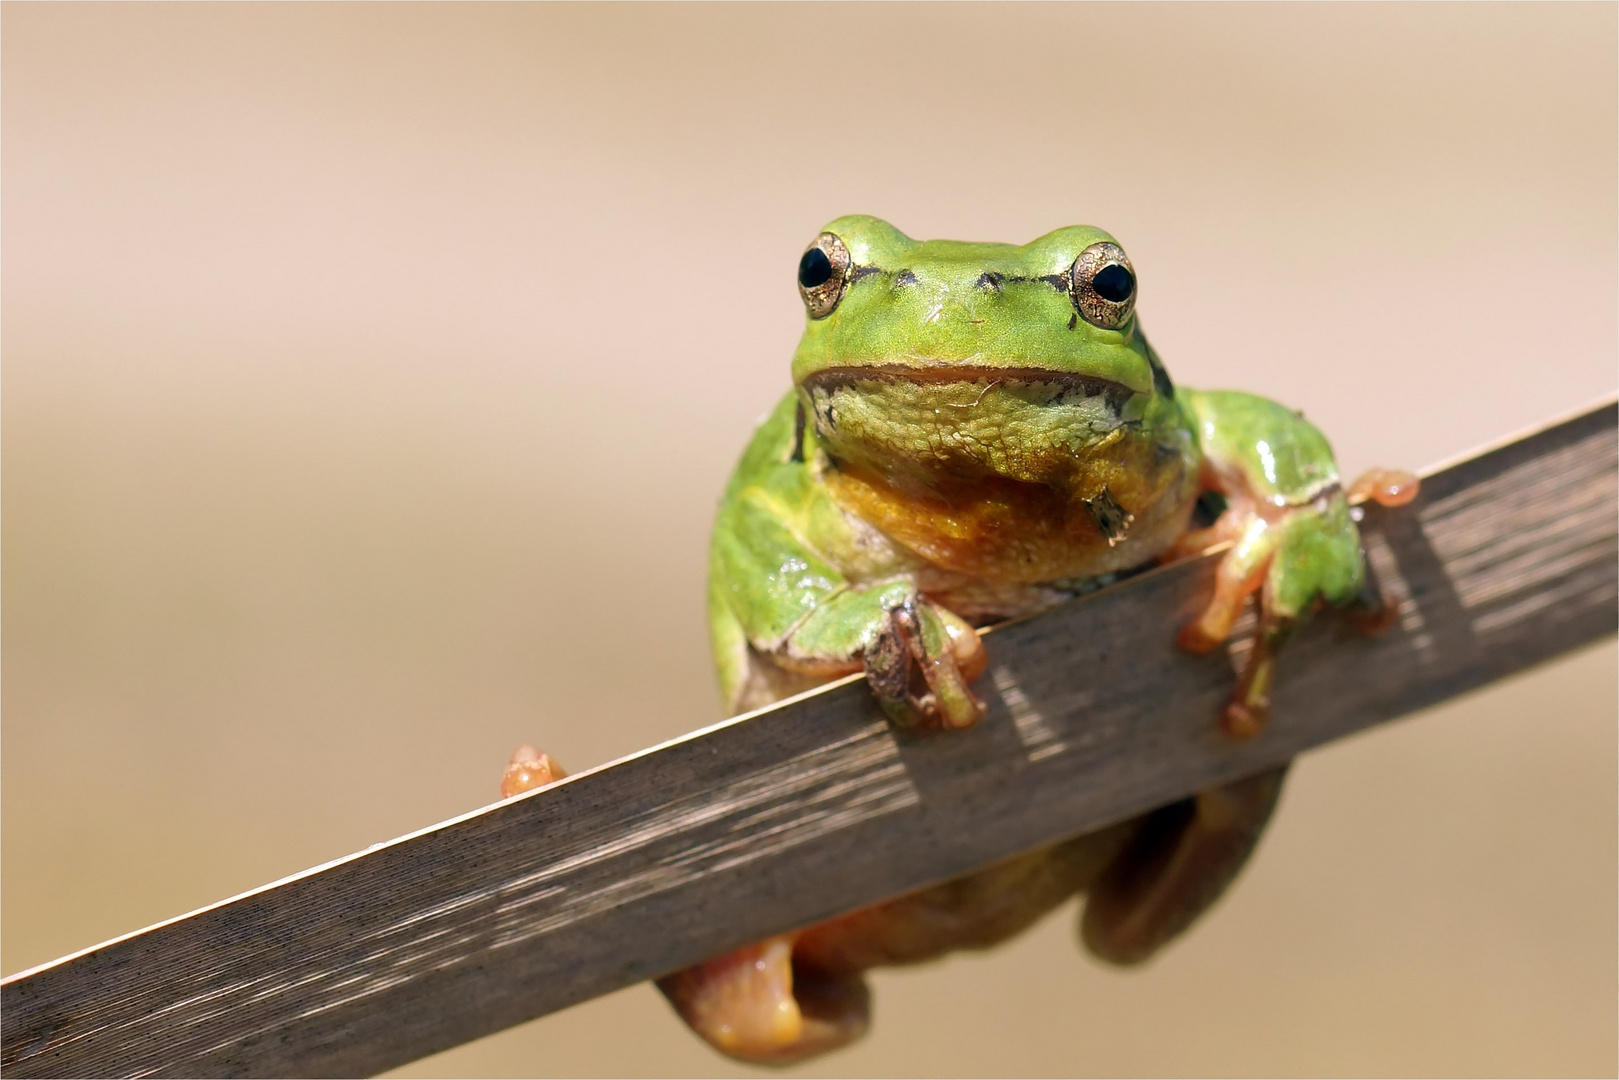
1112,282
814,268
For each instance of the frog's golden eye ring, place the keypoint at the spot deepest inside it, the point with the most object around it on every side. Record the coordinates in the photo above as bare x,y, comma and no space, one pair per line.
823,274
1103,285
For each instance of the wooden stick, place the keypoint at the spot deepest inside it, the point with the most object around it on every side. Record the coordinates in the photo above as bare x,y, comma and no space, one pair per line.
816,806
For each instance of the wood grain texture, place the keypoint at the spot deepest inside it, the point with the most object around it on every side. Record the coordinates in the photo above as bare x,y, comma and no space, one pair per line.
816,806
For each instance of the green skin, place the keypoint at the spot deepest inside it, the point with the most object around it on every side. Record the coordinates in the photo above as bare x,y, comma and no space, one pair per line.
962,444
801,587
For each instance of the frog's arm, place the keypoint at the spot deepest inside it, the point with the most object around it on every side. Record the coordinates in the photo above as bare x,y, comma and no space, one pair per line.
782,602
1293,539
1277,472
1279,455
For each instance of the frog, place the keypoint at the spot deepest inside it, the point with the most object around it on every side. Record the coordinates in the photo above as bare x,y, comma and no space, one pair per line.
977,432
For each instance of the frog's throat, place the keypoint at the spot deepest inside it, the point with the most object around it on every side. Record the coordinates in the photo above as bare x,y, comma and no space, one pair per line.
1024,475
921,426
1128,504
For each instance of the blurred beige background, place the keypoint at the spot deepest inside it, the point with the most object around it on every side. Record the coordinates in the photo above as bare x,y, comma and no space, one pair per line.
370,374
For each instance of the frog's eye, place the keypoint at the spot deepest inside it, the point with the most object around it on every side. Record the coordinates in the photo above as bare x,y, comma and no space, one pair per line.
823,274
1103,285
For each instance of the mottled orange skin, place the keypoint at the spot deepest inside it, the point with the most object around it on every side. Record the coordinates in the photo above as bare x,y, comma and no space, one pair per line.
1014,531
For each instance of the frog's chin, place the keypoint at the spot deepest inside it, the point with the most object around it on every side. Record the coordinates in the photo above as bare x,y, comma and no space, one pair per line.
1004,474
1026,424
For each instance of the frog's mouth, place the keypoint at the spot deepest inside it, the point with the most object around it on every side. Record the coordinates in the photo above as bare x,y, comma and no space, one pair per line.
1023,423
830,380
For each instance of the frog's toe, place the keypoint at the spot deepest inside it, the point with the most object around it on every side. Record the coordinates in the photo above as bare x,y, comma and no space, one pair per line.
755,1006
1293,561
1241,573
1248,711
1378,604
529,769
919,665
1386,487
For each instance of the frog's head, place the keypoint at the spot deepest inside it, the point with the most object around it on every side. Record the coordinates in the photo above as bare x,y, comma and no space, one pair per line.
968,357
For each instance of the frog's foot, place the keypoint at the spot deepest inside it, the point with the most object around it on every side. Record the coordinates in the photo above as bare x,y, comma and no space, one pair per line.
918,656
1241,574
920,664
757,1006
1176,867
529,769
1248,711
1293,558
1385,487
1376,607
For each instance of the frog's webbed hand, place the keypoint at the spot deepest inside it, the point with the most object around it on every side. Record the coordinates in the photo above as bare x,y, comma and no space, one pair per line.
779,612
1294,540
918,657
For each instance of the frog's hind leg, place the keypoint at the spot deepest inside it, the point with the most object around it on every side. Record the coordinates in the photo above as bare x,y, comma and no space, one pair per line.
754,1004
757,1005
1176,867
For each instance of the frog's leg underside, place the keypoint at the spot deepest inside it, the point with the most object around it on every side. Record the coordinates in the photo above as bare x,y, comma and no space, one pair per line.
1176,866
797,995
784,619
1293,538
756,1004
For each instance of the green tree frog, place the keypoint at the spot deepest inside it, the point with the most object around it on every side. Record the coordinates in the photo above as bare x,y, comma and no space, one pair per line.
978,431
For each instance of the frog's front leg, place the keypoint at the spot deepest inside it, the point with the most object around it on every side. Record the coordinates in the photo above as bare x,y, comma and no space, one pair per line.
918,657
777,605
1294,541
